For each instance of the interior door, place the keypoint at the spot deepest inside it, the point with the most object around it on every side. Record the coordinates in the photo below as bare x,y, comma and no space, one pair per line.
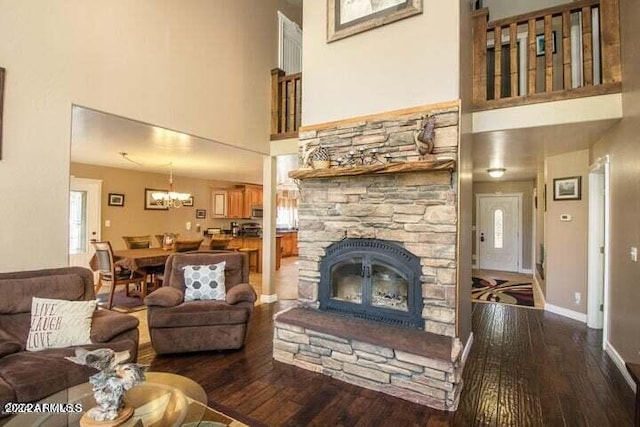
84,219
499,232
289,45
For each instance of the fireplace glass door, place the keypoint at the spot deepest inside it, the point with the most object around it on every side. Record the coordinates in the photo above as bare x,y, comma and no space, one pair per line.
346,280
389,287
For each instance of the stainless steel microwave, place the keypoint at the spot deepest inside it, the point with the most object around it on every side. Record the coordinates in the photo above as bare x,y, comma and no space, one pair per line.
256,212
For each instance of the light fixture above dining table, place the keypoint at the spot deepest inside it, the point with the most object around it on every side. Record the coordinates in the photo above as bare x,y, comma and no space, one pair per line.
171,198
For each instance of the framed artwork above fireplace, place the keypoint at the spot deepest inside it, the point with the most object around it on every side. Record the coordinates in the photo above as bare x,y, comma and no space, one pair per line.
348,17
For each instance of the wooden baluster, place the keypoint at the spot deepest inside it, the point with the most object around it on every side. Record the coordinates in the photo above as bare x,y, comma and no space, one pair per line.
548,53
610,39
480,55
513,39
587,44
276,94
291,106
283,106
497,67
532,57
566,49
298,102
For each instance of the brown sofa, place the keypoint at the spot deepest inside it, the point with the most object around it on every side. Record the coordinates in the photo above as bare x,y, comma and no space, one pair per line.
178,327
29,376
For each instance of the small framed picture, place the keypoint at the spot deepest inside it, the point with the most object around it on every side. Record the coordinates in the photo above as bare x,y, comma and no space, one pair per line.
188,202
540,50
201,213
567,188
116,199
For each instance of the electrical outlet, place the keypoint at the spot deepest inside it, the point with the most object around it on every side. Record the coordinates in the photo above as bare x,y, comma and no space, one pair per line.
577,297
633,254
107,223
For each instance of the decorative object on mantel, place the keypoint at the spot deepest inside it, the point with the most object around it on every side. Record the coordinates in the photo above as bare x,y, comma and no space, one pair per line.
420,166
320,158
425,137
360,158
171,198
109,385
346,18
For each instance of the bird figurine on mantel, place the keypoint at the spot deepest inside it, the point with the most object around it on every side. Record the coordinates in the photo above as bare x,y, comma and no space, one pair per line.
425,137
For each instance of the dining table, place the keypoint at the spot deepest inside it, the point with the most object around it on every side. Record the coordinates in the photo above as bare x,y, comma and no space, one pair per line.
144,260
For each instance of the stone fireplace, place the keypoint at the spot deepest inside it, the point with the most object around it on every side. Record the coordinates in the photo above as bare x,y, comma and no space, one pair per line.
377,262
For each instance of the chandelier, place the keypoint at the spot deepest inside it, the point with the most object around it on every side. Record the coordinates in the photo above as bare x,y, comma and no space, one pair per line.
170,199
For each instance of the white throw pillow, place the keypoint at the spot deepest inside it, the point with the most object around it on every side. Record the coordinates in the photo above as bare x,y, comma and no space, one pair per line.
59,323
204,282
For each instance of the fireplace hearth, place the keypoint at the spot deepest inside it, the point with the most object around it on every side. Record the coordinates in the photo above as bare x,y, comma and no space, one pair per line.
372,279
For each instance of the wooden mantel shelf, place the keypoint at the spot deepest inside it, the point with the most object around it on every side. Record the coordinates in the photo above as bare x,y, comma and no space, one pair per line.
419,166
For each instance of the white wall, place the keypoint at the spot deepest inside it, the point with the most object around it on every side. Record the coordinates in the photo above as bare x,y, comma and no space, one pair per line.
197,66
407,63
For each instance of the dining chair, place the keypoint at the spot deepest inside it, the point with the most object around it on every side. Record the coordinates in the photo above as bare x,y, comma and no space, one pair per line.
219,244
187,245
137,242
111,274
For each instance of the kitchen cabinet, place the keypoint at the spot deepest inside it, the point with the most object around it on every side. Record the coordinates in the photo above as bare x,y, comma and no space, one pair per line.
289,244
256,243
235,203
238,201
252,198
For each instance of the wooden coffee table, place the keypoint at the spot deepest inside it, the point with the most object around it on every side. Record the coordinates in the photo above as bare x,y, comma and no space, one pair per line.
163,399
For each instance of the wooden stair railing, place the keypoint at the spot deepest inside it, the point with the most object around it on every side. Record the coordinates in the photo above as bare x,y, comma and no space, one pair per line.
286,104
546,33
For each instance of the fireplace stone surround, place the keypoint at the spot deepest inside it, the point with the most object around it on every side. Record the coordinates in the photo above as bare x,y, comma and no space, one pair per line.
411,203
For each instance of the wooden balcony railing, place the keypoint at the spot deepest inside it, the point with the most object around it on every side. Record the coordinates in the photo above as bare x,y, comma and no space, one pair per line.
286,104
563,52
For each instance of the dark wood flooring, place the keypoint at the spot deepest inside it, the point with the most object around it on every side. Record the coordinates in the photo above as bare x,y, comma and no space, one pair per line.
526,368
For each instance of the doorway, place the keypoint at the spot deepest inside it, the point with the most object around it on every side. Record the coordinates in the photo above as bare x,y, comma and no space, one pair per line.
84,219
498,236
598,246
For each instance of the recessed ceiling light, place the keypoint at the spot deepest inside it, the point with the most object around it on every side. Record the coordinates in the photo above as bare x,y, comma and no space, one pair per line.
496,172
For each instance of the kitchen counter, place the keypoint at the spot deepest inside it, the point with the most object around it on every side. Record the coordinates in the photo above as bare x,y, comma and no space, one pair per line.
255,242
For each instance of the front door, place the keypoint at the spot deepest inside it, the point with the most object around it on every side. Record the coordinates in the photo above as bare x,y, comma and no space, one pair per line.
84,219
499,232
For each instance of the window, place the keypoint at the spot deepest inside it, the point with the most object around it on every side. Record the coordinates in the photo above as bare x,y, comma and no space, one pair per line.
77,222
498,228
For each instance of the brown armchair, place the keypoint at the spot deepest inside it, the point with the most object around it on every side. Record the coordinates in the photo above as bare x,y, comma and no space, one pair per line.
177,326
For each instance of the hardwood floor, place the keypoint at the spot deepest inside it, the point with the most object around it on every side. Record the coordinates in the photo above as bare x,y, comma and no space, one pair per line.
526,368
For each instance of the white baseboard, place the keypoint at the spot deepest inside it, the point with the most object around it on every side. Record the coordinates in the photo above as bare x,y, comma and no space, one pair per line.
580,317
611,351
268,299
467,349
526,271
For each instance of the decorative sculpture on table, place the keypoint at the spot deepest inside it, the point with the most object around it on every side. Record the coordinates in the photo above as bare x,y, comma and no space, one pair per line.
109,385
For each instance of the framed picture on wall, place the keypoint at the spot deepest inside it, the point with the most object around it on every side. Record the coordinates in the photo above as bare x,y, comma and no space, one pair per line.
348,17
567,188
540,45
116,199
201,213
149,203
188,202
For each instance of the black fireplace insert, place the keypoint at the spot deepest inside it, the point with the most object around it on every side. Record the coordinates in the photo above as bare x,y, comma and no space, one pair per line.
372,279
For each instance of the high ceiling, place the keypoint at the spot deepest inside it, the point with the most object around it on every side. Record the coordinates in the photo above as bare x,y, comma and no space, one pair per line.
98,138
